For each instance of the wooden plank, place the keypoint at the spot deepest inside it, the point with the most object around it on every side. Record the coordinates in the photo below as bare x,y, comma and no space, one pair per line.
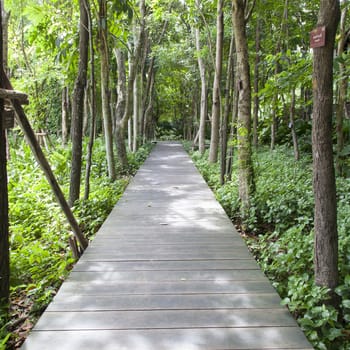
267,338
170,266
165,276
164,319
165,302
175,249
172,288
122,241
121,256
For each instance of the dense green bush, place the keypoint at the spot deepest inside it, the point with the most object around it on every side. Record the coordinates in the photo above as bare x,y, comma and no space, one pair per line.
40,254
280,235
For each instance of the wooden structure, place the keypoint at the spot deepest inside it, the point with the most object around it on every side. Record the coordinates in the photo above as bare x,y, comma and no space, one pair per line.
17,99
167,271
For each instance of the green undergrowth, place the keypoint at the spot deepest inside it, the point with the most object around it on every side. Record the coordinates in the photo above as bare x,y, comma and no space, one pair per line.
40,253
280,235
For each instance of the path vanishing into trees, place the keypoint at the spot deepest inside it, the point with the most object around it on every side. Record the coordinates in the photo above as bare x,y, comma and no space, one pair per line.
167,270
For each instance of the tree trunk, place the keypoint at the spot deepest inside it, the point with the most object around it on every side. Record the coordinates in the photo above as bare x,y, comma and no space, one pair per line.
245,167
147,100
126,105
273,125
134,59
292,126
256,83
149,109
65,115
93,108
78,106
227,110
216,108
4,218
106,111
86,111
342,93
120,109
326,236
204,92
136,113
233,134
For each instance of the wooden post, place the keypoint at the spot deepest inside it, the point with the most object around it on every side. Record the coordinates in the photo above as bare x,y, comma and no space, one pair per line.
23,122
4,221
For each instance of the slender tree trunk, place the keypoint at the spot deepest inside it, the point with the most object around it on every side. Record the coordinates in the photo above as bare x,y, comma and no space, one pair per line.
147,99
204,91
86,111
124,123
93,108
342,93
233,135
149,109
273,126
216,108
5,36
292,126
65,115
136,114
4,219
227,110
106,111
256,83
78,107
120,109
326,236
245,167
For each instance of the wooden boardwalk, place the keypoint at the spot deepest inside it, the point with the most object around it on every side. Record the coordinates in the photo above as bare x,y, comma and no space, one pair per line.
167,271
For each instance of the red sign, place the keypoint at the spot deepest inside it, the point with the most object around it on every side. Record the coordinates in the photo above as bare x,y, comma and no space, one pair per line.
318,37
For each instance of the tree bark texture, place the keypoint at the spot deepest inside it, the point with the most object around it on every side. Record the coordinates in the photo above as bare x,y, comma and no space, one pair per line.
92,129
149,109
78,107
65,116
227,109
134,59
4,218
216,108
326,236
106,111
245,167
256,83
292,126
204,92
120,109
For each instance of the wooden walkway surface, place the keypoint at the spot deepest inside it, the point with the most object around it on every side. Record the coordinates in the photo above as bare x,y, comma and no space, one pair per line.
167,271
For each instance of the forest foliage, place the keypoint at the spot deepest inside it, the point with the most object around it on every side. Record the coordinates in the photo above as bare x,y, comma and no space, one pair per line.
151,73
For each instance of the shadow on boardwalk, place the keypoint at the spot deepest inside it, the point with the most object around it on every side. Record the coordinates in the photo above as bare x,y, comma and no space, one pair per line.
167,270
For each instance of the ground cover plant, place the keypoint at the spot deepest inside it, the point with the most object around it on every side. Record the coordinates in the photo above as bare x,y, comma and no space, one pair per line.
279,232
40,254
